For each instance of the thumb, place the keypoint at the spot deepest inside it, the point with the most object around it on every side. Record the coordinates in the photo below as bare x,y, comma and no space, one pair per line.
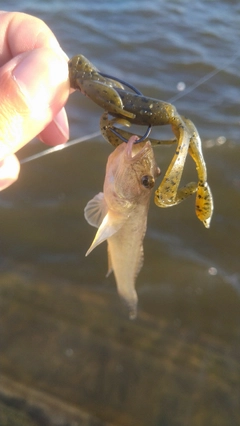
33,88
9,170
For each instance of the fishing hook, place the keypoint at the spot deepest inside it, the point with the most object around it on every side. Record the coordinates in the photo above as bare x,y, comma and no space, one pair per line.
130,86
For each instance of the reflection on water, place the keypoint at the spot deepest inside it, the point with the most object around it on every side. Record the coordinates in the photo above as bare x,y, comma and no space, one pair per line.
69,354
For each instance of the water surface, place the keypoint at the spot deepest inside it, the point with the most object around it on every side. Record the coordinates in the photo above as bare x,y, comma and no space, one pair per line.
69,353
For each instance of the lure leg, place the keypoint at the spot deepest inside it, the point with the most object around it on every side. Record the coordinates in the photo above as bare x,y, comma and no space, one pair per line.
204,199
168,193
106,125
108,99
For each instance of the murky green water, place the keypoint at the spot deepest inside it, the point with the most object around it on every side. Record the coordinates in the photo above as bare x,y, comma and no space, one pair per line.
69,355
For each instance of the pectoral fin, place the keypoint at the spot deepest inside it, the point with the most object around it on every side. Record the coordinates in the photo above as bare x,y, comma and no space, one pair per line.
108,227
95,210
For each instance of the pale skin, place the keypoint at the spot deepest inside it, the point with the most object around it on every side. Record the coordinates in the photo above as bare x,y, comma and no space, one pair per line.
34,88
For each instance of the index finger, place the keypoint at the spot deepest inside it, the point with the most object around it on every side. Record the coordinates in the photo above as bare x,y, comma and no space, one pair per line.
32,33
34,82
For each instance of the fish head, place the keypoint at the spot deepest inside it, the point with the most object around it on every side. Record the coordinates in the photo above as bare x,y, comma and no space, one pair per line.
130,174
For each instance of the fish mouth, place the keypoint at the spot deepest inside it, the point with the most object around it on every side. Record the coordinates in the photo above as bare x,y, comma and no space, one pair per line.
137,150
142,153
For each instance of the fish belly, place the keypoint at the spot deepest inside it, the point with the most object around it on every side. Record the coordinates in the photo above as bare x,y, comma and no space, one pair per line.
126,258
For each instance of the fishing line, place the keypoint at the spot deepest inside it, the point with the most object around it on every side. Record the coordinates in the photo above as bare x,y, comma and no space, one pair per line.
175,98
205,78
60,147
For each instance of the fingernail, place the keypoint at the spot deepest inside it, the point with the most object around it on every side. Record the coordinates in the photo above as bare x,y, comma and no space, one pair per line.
39,75
61,122
57,132
54,44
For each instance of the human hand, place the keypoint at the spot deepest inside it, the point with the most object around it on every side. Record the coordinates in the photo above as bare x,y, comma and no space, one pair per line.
34,87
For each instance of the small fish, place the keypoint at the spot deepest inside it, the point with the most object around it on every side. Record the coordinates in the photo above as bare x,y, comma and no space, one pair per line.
120,213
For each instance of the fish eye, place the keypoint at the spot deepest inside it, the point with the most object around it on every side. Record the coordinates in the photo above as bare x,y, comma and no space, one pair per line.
147,181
